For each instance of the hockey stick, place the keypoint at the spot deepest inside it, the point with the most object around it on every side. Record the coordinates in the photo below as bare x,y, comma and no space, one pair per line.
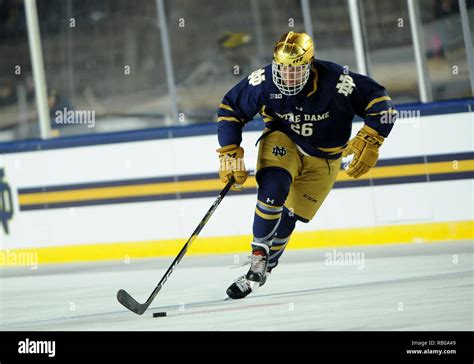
139,308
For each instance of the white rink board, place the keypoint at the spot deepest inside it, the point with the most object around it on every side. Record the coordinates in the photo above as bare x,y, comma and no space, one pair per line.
171,219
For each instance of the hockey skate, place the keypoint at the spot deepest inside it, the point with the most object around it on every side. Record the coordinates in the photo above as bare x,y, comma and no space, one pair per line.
255,277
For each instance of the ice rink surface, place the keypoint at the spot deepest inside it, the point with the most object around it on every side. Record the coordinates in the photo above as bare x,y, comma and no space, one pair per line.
393,287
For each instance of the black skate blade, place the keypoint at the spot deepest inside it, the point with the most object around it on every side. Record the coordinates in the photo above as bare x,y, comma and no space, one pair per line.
129,302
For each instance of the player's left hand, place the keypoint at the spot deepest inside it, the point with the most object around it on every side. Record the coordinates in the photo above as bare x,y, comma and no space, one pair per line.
365,147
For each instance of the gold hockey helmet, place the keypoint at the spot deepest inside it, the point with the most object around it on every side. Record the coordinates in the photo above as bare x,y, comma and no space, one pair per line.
294,49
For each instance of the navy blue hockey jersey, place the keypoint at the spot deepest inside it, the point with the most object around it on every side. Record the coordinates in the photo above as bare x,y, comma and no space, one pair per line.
318,119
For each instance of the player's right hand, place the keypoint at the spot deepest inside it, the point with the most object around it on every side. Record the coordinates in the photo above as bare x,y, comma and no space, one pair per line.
231,159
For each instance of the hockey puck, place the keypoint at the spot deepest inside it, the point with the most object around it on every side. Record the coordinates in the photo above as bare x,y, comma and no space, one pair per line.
159,314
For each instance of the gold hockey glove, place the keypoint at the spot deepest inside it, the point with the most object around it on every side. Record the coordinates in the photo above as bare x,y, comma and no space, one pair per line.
365,147
231,158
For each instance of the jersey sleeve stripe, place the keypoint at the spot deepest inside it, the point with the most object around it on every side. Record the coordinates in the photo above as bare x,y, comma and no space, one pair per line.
376,101
226,107
229,118
333,150
389,111
266,117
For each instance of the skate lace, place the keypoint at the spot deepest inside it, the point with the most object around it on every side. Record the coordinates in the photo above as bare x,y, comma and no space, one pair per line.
258,263
238,265
242,283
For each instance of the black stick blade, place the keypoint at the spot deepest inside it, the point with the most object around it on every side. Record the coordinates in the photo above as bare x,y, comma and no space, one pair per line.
129,302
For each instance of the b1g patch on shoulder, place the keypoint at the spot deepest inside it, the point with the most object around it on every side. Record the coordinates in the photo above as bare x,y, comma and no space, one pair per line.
279,151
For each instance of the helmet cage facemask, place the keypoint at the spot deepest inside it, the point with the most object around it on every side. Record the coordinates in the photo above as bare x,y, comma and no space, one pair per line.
290,80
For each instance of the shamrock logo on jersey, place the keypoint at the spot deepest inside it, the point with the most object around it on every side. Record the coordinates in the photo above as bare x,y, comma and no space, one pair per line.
346,86
257,77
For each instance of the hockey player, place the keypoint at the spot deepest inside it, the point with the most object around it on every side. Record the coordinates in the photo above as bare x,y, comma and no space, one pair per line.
308,106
